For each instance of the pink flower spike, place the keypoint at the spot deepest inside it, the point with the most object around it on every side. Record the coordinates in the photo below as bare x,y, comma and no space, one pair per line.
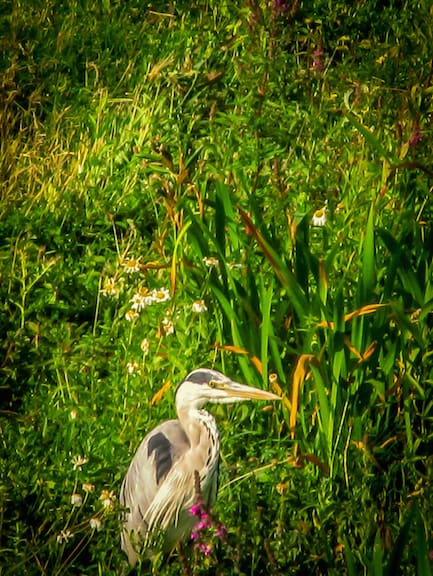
205,549
202,525
195,510
221,532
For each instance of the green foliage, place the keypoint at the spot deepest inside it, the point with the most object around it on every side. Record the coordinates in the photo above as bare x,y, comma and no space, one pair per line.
246,185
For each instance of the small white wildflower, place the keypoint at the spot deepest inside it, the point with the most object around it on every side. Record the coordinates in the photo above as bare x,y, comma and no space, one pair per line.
79,461
73,414
95,523
107,498
131,315
319,217
110,288
167,326
145,346
88,487
160,295
131,265
132,367
199,306
76,500
235,265
64,536
141,299
211,262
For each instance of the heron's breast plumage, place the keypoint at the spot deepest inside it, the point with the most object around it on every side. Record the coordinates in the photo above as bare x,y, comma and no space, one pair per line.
210,439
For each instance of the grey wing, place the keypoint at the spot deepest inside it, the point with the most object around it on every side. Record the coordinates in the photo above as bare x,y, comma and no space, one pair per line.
154,458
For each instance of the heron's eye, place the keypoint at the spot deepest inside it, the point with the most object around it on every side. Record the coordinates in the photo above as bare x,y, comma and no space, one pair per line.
212,383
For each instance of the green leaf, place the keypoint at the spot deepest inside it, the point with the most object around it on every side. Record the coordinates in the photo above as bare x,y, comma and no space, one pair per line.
368,281
369,136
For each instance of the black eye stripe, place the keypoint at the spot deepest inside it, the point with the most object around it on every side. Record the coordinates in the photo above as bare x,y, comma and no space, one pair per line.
199,377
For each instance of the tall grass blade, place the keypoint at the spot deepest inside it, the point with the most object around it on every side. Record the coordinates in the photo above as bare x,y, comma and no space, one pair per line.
299,375
374,142
368,260
296,295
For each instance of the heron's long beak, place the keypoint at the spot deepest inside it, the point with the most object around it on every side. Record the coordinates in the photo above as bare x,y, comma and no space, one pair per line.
238,391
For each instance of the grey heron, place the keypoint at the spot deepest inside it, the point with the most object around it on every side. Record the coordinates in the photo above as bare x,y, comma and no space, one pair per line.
159,487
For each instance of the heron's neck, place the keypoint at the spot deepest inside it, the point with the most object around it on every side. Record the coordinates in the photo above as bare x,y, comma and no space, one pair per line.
202,432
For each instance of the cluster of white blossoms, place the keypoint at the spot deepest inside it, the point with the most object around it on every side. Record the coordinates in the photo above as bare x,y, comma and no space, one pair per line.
107,499
145,297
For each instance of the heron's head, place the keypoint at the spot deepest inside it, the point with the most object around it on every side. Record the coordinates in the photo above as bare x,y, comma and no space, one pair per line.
204,385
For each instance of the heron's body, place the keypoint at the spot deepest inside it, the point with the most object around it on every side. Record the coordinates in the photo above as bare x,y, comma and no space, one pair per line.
159,488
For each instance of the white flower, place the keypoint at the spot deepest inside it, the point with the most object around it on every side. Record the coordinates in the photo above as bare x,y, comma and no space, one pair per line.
88,487
64,536
141,299
107,498
132,367
160,295
95,523
131,315
76,500
199,306
131,265
236,265
167,326
319,217
145,345
211,261
110,288
73,414
79,461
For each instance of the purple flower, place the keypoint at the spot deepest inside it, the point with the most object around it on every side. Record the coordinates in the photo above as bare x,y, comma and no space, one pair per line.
203,525
206,529
281,5
195,510
205,548
221,532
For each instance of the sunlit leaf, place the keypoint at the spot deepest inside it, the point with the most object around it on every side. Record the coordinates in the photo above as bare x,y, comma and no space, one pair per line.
159,395
299,375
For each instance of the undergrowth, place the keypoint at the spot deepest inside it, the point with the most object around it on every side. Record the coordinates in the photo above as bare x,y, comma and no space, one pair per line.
240,185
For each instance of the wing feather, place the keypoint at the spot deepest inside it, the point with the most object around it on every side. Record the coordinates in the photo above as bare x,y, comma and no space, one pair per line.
147,475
